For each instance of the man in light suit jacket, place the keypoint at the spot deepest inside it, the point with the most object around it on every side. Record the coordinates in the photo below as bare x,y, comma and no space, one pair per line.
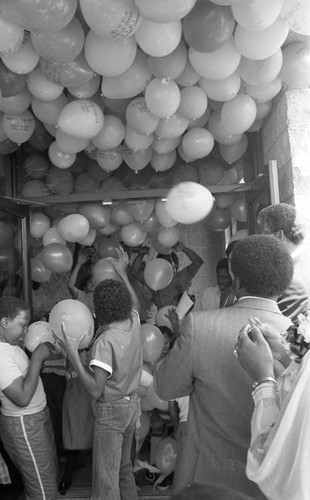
202,364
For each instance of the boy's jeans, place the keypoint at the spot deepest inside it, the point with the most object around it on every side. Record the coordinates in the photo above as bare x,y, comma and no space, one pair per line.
115,425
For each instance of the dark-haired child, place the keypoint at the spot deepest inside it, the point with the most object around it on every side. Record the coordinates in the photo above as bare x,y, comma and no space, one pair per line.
25,425
116,363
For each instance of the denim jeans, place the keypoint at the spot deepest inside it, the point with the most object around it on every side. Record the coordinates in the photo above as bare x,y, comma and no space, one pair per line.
115,425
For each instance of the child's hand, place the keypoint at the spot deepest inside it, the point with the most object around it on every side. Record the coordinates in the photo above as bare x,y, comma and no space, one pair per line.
43,351
68,343
121,262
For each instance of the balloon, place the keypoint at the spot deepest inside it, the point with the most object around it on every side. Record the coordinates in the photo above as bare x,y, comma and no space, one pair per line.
42,88
197,143
296,14
263,93
109,160
163,12
58,158
111,135
57,258
193,103
135,141
152,342
109,57
84,183
120,214
219,132
158,273
48,111
68,74
60,181
171,65
162,97
188,77
137,160
104,270
218,219
45,15
87,89
172,126
108,247
38,333
34,187
216,65
225,200
256,16
221,90
110,19
11,37
97,214
107,230
261,44
238,209
82,119
77,319
39,272
263,109
39,224
139,117
230,176
166,454
263,71
16,104
208,26
146,378
6,232
36,166
63,46
24,60
10,83
234,152
165,146
168,237
141,210
96,171
211,174
73,227
155,400
130,83
189,202
295,70
52,235
18,128
164,218
238,114
158,39
68,144
151,224
89,238
163,162
132,234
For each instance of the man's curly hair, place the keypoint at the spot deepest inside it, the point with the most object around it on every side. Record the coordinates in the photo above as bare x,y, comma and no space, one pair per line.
263,265
282,216
112,302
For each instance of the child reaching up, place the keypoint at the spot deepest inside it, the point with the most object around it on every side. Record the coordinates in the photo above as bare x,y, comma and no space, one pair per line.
116,364
25,425
85,294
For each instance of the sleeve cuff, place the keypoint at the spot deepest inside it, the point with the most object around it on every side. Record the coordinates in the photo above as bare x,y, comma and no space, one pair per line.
102,365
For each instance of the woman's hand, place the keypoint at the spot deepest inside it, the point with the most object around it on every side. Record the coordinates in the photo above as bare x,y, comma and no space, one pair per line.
272,336
254,353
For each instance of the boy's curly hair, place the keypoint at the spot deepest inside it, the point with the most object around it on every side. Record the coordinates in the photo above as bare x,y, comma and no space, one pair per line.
263,265
10,307
282,217
112,302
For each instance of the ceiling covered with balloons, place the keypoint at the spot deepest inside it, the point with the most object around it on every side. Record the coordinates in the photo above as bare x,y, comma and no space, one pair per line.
103,96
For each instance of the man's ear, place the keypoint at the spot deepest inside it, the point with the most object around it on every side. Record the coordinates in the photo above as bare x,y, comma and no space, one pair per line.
279,235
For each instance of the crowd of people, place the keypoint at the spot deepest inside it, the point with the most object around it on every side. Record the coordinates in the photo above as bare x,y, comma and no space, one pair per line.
234,372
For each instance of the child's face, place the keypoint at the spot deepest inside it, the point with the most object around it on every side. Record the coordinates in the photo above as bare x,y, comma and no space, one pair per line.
14,329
